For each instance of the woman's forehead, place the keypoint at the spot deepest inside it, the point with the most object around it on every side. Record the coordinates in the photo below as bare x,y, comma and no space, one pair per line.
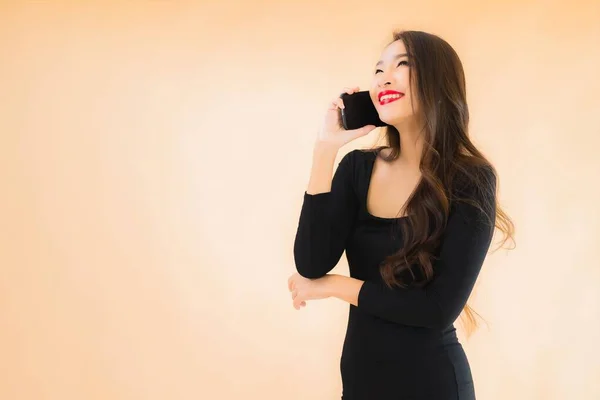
397,46
392,50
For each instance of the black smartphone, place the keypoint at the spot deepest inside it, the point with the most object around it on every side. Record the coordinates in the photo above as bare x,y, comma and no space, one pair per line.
359,111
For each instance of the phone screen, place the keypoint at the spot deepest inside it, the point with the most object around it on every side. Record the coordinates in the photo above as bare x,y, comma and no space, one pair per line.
359,111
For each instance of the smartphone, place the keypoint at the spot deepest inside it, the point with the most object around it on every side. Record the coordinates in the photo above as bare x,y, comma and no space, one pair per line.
359,111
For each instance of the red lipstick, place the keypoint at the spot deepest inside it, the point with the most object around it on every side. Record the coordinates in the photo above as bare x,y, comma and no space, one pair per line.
388,96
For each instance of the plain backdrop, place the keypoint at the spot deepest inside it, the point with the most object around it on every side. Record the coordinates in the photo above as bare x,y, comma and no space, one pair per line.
153,159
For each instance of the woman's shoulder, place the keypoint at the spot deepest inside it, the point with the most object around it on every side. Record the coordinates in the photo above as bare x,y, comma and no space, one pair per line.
475,188
471,177
365,153
357,156
355,164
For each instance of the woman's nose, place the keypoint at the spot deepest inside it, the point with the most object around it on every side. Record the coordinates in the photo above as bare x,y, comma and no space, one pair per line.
383,80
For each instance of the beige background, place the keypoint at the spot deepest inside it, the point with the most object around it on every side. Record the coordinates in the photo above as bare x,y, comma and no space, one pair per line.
153,159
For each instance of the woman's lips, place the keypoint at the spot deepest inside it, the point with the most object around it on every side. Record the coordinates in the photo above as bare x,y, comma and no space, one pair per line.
388,100
388,96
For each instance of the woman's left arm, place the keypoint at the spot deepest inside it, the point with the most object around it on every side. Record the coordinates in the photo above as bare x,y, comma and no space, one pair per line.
464,246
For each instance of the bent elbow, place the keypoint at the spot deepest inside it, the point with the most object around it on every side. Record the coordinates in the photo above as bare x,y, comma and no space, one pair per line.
311,273
309,269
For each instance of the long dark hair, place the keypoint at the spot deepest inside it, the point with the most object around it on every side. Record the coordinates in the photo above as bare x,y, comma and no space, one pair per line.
449,160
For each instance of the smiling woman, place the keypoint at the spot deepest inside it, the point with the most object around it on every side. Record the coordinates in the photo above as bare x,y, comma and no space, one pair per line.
405,290
396,59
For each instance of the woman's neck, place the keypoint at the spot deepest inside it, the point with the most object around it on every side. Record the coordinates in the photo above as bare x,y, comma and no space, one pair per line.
411,144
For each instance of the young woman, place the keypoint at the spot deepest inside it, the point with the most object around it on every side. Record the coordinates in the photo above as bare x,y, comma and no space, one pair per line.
412,271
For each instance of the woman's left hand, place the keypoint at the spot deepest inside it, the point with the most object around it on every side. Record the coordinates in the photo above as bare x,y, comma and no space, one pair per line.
304,289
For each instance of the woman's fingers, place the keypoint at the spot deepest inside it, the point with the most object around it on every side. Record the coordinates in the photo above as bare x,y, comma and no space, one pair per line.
336,103
339,102
299,303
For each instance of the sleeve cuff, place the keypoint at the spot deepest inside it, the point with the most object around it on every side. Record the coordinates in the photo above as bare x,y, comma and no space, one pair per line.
316,196
366,294
318,204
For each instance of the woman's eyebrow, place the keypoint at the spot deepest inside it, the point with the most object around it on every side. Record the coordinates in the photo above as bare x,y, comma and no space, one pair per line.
395,57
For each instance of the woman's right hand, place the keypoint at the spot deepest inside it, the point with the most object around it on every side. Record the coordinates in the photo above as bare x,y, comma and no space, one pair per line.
333,133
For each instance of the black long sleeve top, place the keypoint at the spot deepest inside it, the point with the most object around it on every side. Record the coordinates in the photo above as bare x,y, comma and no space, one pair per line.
397,326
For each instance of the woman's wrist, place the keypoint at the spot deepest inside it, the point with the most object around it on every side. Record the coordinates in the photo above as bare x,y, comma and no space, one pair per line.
321,147
343,287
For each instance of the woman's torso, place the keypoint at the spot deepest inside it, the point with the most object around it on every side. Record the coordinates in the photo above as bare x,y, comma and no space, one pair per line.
379,355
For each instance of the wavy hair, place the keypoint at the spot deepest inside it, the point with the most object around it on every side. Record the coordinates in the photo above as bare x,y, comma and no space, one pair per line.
449,160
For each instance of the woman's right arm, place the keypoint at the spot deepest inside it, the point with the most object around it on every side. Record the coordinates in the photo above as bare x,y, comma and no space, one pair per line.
330,204
327,215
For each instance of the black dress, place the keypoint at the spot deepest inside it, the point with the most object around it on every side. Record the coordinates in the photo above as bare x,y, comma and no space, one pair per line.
400,344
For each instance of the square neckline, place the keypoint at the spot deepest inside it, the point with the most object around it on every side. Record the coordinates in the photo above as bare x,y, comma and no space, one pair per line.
370,167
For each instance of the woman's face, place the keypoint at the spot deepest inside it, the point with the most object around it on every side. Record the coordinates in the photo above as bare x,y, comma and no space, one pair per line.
391,90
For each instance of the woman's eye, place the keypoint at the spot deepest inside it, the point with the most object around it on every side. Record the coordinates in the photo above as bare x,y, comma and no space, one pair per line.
403,62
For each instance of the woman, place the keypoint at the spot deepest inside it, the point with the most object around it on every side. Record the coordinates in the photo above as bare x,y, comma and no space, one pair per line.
411,272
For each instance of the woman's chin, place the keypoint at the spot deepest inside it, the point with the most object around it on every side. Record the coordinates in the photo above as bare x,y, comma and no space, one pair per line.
395,120
391,120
